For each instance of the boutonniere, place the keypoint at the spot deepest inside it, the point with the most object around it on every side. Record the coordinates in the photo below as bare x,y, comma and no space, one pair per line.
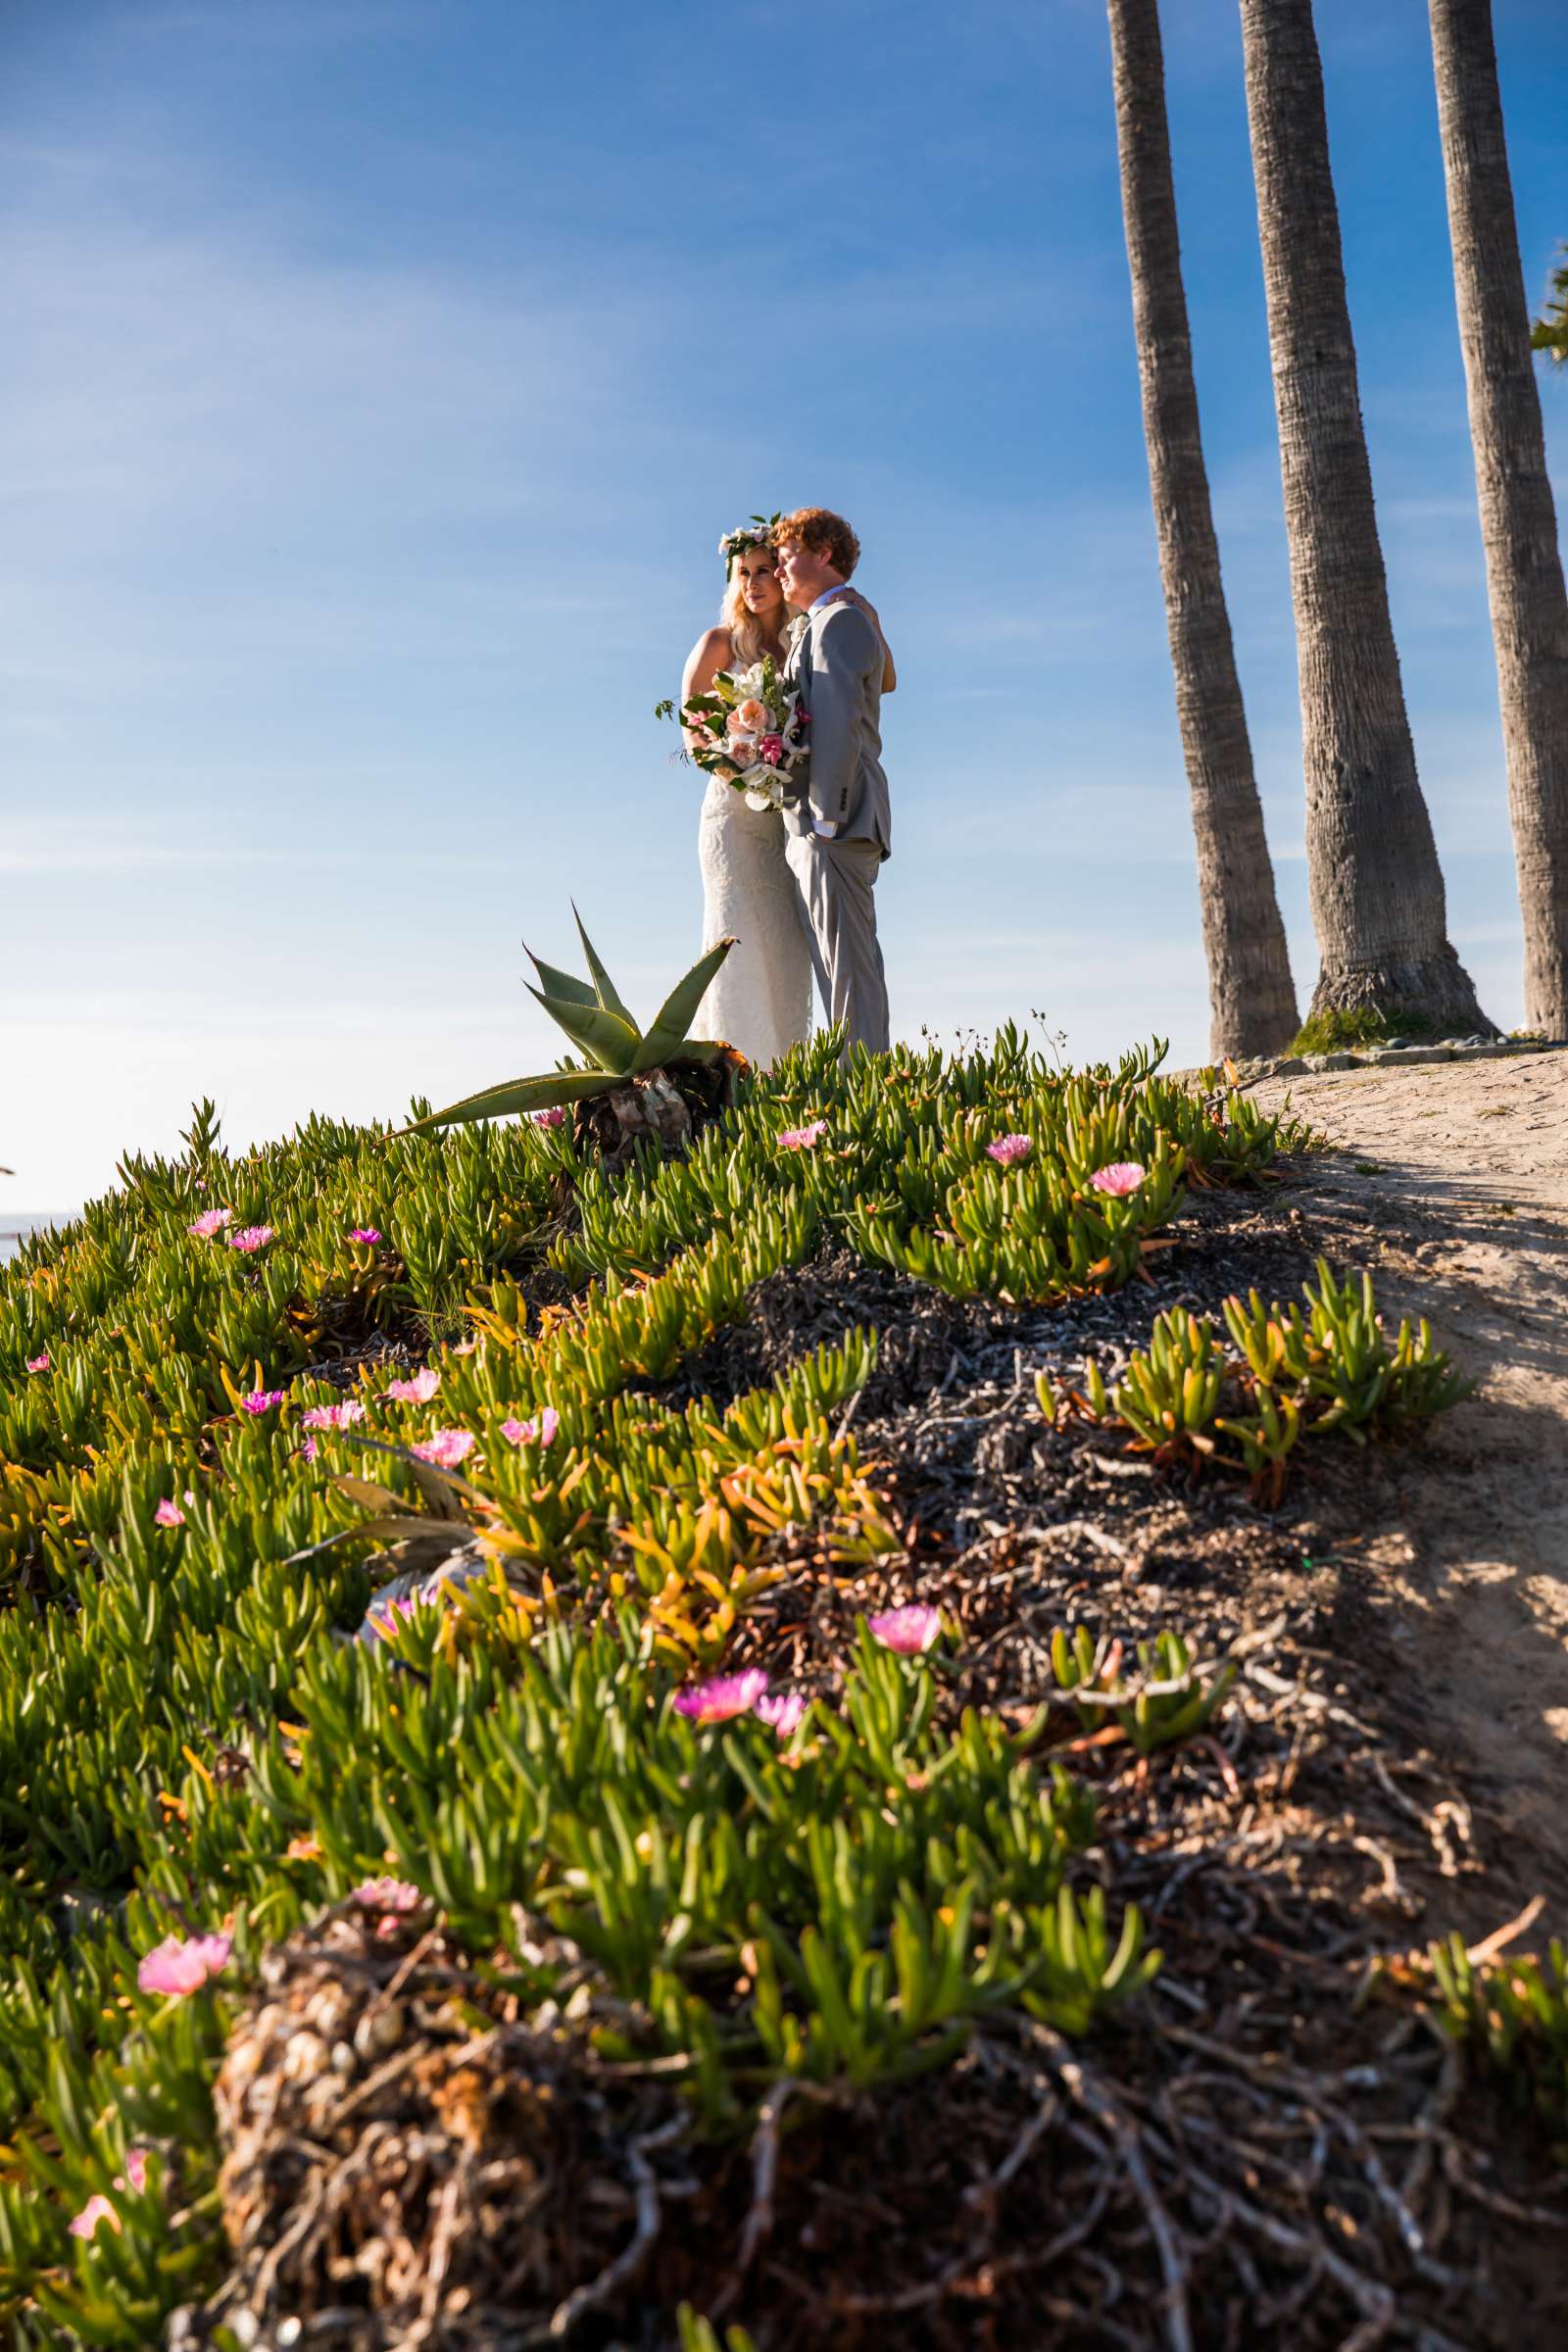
797,629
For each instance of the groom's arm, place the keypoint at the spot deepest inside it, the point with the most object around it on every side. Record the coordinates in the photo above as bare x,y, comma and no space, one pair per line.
845,655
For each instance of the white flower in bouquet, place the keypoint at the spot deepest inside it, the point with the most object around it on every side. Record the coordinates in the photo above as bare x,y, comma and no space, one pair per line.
750,730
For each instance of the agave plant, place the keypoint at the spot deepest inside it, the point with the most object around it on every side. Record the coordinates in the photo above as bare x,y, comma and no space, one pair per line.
651,1079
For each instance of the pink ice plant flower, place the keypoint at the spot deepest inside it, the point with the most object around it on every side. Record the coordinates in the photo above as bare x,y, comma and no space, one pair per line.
363,1233
169,1514
309,1451
333,1416
262,1401
1122,1177
251,1238
723,1696
555,1116
801,1139
98,2209
545,1428
399,1614
183,1964
1008,1149
785,1712
908,1630
38,1363
417,1391
211,1221
387,1894
446,1447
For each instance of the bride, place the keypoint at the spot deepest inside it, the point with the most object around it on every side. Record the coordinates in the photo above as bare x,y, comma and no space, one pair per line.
762,998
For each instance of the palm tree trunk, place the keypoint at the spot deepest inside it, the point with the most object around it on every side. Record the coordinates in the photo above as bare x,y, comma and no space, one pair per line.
1518,520
1251,997
1378,903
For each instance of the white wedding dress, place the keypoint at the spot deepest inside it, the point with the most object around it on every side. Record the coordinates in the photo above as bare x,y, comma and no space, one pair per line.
761,999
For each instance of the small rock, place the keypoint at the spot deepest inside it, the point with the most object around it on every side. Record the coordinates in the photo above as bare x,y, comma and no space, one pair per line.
1289,1065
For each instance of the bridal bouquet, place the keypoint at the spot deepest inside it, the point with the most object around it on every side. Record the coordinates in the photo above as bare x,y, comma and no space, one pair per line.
751,732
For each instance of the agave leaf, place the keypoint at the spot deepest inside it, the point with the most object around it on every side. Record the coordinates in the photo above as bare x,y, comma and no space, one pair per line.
518,1096
666,1033
558,983
608,1038
604,986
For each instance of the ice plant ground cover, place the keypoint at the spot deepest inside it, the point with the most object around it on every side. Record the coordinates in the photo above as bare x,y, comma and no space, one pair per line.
718,1802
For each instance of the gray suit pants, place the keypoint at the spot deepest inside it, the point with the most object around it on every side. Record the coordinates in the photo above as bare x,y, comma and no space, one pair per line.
835,881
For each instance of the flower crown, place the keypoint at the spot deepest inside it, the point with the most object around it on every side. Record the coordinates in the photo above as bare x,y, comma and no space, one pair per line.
758,532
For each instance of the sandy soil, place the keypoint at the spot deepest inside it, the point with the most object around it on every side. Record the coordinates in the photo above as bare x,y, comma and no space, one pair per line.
1461,1170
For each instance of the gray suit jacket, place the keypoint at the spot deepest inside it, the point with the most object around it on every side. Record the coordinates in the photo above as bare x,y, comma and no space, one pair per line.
836,667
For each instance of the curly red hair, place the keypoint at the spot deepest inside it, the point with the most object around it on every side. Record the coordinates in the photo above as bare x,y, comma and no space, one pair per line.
822,533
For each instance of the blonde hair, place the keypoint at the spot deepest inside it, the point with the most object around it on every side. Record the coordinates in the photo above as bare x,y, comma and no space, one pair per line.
746,636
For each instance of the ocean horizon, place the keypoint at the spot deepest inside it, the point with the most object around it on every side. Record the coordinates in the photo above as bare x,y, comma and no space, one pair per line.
15,1224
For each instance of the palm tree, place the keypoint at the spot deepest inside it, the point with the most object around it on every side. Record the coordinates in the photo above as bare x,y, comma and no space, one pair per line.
1378,904
1518,520
1550,332
1251,997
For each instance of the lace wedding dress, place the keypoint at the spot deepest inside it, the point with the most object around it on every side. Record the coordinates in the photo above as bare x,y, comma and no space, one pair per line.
762,998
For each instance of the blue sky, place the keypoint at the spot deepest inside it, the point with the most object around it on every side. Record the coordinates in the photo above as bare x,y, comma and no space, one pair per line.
379,377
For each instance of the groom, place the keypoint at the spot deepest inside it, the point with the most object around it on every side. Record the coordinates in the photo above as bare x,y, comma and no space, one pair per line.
839,831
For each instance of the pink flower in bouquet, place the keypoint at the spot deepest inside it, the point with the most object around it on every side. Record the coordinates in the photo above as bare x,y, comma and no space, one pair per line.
723,1696
262,1401
555,1116
333,1416
908,1630
545,1429
169,1514
1122,1177
211,1221
363,1233
752,717
417,1391
800,1139
182,1964
251,1238
771,749
446,1447
38,1363
785,1713
1008,1149
98,2209
387,1894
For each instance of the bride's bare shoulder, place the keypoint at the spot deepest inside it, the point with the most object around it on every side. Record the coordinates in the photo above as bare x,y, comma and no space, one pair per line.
709,656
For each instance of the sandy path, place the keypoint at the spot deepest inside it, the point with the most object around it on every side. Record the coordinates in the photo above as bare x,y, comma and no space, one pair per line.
1464,1167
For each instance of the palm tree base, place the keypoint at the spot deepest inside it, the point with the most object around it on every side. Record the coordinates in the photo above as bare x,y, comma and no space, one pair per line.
1432,992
